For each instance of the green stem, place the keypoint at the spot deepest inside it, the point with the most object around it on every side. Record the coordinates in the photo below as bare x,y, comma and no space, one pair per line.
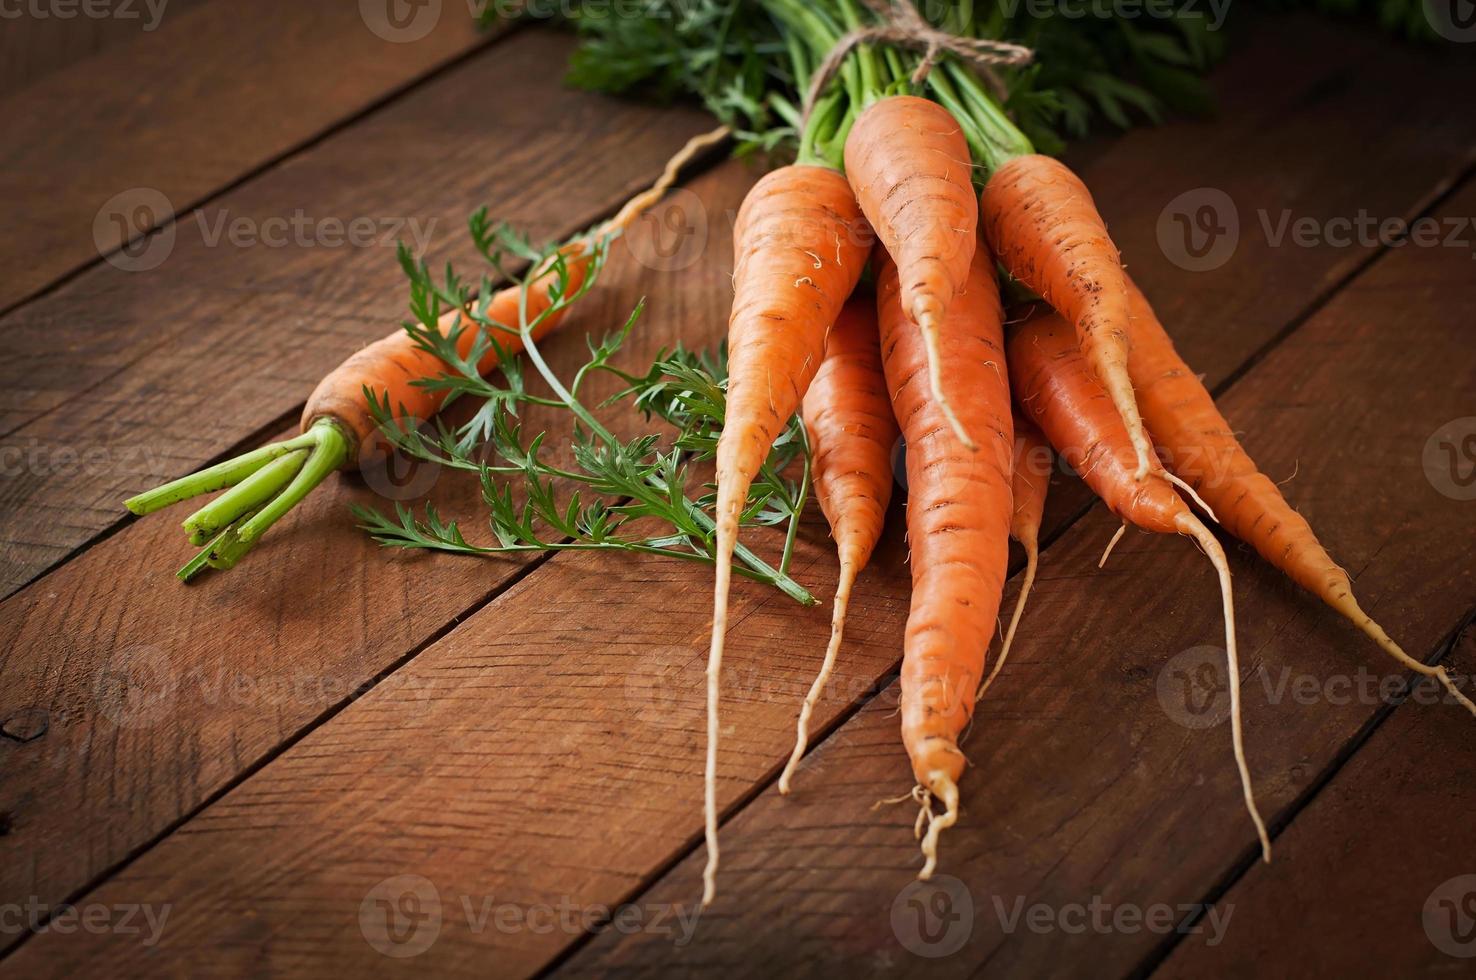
247,496
214,478
1002,139
799,503
331,452
530,348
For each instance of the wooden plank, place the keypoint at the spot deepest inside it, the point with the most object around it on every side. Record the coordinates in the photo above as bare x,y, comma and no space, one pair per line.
1378,869
549,767
163,370
158,695
210,95
1095,784
33,46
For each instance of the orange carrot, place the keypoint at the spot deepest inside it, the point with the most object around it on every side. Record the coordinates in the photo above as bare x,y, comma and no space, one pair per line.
1054,385
338,426
1042,223
958,523
848,417
798,249
390,366
909,165
1029,480
1202,449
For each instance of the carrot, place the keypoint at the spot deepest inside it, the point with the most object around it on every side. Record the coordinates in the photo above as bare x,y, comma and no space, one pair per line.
908,163
798,254
849,420
338,426
1030,478
1054,384
958,524
1042,223
1203,450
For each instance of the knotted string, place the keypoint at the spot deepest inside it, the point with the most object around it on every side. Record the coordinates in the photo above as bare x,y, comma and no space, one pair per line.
902,25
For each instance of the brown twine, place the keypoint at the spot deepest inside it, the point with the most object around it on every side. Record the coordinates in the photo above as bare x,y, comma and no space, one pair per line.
904,27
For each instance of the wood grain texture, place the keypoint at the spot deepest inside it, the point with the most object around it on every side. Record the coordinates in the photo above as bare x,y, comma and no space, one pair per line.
1100,779
207,96
1359,867
284,877
32,46
243,661
545,755
183,109
1377,870
144,376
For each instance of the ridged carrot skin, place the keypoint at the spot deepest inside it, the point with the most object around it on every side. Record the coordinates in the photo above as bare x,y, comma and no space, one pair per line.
1055,388
1202,450
800,244
958,520
909,165
390,366
848,416
1042,223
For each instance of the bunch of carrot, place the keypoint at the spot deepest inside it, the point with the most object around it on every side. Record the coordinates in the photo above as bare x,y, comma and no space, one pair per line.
953,193
867,299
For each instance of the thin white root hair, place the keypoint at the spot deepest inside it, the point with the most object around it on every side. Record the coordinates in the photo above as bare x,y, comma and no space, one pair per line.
644,200
848,571
1348,606
1192,526
947,792
928,324
1032,559
1102,562
894,800
1198,500
727,539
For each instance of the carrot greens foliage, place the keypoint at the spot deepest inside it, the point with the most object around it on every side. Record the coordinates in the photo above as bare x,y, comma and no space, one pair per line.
604,493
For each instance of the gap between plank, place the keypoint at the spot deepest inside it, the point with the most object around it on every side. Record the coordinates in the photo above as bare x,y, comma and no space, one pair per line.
1251,856
705,160
272,162
1423,207
271,755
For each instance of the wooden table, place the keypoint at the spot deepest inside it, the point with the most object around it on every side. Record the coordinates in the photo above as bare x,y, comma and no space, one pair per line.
336,759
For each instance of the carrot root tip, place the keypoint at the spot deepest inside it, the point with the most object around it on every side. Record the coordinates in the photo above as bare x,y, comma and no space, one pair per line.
929,322
941,785
832,650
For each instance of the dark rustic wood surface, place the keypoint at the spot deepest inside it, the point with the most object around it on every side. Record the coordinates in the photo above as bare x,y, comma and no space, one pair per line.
140,377
212,93
526,735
